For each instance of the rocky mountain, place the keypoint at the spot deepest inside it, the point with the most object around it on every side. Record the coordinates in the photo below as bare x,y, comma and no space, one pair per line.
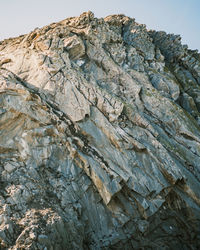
99,138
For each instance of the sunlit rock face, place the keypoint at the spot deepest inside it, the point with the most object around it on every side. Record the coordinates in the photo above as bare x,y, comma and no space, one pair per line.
99,138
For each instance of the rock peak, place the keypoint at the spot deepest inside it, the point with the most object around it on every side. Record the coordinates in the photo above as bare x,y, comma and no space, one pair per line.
99,137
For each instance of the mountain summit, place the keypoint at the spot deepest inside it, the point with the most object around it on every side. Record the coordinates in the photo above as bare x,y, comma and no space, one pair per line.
99,138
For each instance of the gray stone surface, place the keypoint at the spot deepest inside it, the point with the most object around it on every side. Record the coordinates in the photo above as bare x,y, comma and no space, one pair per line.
99,138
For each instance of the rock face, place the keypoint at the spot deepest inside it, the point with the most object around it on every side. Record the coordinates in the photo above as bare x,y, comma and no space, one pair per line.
99,138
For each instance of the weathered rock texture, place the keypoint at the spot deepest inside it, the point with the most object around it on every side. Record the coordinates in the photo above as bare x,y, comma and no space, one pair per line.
99,138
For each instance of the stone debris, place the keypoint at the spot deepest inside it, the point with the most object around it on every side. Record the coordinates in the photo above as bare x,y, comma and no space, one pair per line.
99,138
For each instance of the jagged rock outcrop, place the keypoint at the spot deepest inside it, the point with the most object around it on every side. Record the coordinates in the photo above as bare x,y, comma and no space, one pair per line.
99,138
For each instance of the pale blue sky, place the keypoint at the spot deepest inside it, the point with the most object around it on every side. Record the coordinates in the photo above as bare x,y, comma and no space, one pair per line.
174,16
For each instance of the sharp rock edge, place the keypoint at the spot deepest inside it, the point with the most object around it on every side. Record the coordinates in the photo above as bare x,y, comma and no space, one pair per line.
99,138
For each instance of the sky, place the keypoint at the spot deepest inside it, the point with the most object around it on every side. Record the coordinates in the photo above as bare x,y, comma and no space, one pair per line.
182,17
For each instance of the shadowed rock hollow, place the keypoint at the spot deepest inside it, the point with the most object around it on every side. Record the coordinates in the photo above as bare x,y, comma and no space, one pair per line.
99,138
